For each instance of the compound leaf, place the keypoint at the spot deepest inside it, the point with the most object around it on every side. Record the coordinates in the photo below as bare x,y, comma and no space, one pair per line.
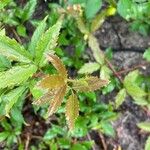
72,110
89,68
16,75
13,50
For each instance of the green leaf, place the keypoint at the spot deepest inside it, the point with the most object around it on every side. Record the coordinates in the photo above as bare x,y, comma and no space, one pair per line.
47,42
16,75
132,87
28,10
21,30
64,143
147,145
146,54
4,135
144,126
124,8
12,97
3,3
89,68
4,63
13,50
105,73
97,53
120,97
78,147
36,36
92,7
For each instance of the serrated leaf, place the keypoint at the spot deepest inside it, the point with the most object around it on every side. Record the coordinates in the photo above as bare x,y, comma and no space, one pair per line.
92,7
4,135
16,75
57,63
51,82
47,42
57,100
105,73
28,10
146,54
45,98
36,36
131,86
13,50
97,53
12,97
88,84
4,63
72,110
144,126
120,97
89,68
147,145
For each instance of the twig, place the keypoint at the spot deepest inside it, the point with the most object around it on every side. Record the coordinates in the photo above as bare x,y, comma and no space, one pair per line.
131,69
90,139
113,70
27,142
17,36
103,141
37,137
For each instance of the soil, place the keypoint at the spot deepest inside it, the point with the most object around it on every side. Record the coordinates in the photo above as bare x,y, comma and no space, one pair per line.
128,47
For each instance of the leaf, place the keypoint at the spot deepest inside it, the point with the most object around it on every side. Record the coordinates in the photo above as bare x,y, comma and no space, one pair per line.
88,84
120,97
57,100
124,8
47,42
105,73
146,54
51,82
92,7
131,86
144,126
13,50
28,10
72,110
4,63
55,60
89,68
97,53
36,36
12,97
4,135
45,98
147,145
3,3
16,75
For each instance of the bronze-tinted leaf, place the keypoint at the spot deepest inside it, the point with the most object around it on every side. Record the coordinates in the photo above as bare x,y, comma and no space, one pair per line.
72,110
57,63
56,101
51,82
45,98
87,84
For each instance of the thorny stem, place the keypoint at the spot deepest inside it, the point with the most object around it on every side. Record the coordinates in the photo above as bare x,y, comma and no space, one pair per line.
113,70
133,68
